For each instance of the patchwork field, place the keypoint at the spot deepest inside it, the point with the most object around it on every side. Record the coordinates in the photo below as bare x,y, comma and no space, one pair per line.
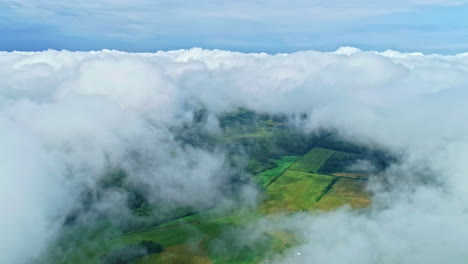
288,190
299,187
345,191
266,177
313,160
316,181
295,191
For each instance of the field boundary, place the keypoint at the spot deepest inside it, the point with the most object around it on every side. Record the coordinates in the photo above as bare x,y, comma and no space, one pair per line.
327,189
274,179
159,226
314,145
305,159
346,177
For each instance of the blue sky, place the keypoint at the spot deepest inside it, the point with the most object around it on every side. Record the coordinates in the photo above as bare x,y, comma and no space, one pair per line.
429,26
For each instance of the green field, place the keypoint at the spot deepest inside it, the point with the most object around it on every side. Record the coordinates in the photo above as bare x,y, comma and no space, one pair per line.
261,133
205,241
313,160
338,162
295,191
283,163
190,239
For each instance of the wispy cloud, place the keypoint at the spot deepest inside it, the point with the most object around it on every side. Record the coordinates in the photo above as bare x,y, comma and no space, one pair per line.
164,24
64,116
144,16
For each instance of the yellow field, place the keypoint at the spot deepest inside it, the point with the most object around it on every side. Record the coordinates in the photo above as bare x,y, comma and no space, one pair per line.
345,191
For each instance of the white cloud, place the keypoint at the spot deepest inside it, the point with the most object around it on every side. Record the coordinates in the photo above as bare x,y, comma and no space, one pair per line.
31,190
422,229
66,115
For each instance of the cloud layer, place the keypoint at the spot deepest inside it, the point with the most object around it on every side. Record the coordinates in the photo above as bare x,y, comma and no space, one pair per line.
65,116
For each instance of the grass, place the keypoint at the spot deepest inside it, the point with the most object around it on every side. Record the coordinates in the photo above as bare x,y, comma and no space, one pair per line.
234,249
153,259
191,228
345,192
175,236
208,243
313,160
295,191
338,162
85,244
259,133
90,248
353,175
264,178
194,253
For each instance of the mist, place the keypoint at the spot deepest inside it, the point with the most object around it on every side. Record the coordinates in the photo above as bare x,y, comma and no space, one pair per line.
67,117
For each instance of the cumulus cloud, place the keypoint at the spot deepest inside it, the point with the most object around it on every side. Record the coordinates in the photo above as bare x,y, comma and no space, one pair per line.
420,229
65,116
31,189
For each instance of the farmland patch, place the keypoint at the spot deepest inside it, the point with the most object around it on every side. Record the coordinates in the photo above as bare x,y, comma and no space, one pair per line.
283,163
295,191
345,192
313,160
